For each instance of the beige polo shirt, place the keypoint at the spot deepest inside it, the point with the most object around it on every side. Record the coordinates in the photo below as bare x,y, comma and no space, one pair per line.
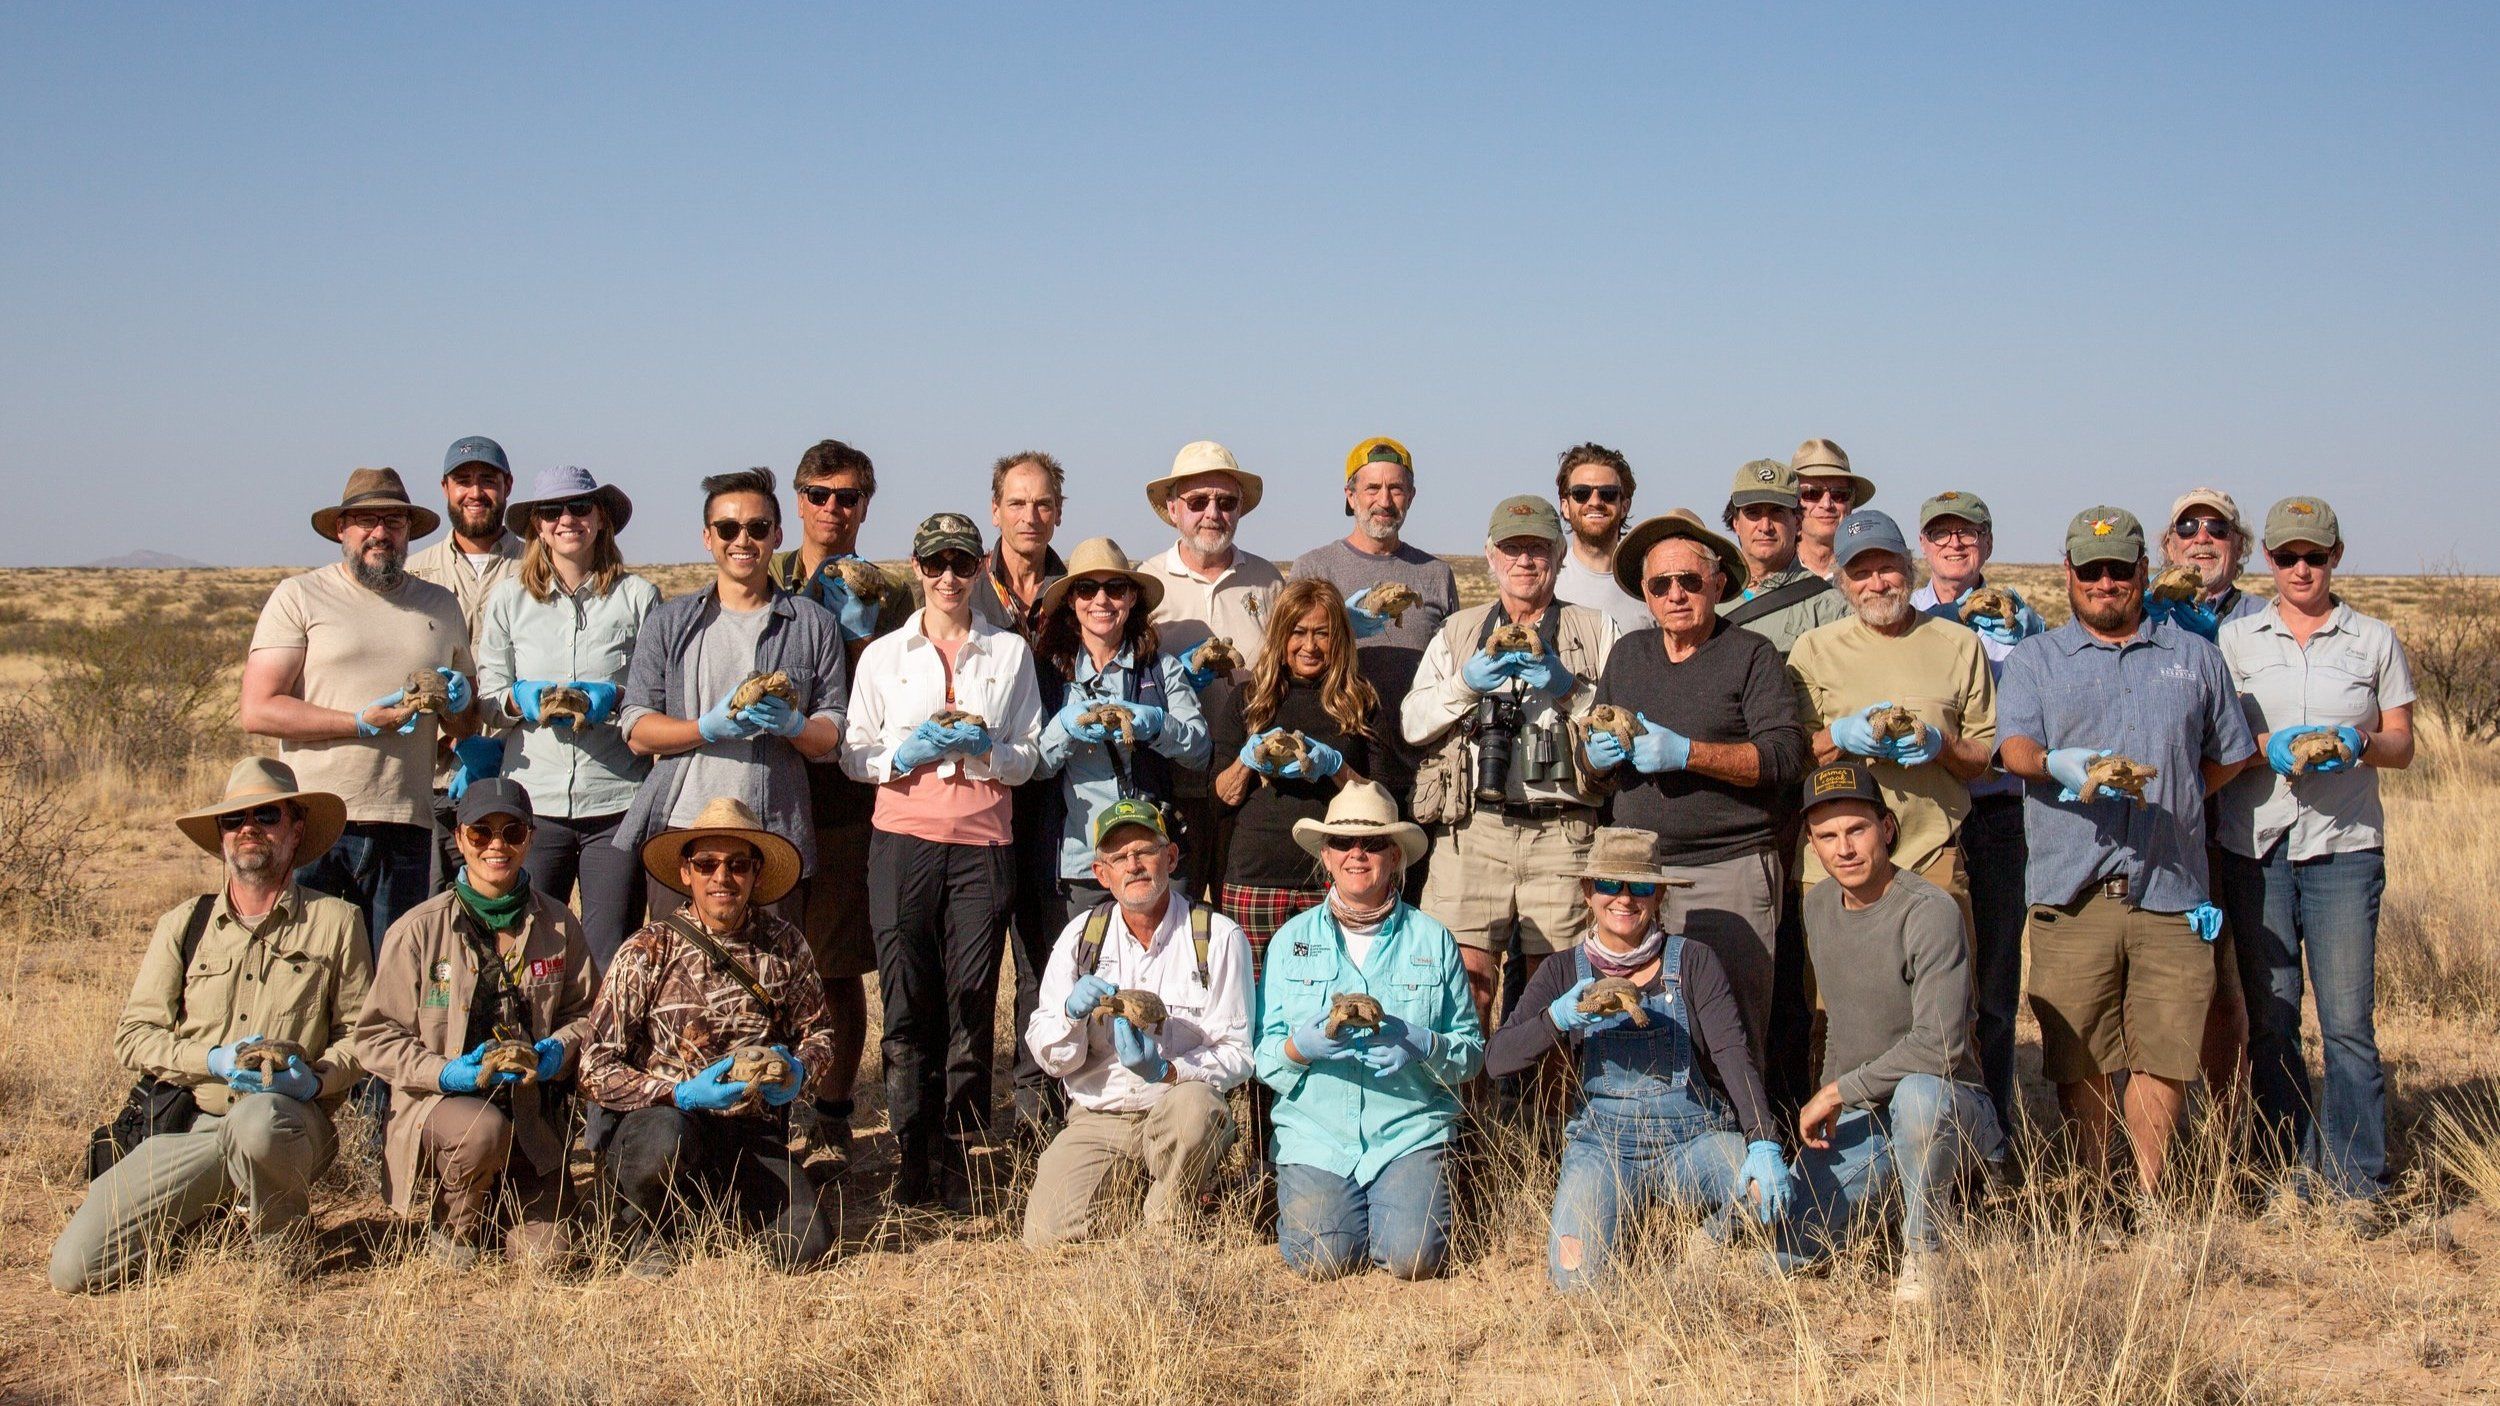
1937,670
1232,604
361,645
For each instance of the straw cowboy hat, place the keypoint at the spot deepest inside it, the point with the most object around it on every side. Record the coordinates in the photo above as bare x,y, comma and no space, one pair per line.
563,485
378,489
725,817
1620,852
260,781
1680,523
1202,457
1820,458
1094,559
1362,808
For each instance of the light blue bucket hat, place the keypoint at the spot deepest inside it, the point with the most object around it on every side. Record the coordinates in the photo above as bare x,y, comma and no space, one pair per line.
562,485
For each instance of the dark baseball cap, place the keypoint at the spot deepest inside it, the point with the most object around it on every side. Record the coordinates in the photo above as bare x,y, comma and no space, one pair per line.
496,795
1868,531
476,449
1845,780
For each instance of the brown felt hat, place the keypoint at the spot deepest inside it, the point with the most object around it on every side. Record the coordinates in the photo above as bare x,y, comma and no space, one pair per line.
260,781
376,488
725,817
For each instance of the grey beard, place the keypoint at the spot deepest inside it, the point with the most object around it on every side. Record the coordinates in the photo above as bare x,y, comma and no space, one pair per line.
257,865
1379,531
1884,611
384,578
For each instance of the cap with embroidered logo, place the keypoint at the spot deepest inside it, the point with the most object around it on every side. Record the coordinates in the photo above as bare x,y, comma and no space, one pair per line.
1865,531
1849,780
2104,533
1127,811
2302,519
1525,515
1953,502
1763,481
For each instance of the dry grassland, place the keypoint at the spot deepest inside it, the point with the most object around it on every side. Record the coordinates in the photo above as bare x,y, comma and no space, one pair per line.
2217,1305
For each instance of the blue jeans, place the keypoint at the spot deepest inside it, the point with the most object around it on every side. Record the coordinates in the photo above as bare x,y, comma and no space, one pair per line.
382,867
1328,1225
2325,909
1921,1140
1994,854
1606,1174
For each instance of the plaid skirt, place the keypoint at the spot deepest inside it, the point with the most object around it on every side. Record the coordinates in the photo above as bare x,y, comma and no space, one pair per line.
1261,911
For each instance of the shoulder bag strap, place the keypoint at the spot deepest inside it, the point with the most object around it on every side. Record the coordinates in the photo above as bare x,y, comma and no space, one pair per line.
694,933
193,928
1771,602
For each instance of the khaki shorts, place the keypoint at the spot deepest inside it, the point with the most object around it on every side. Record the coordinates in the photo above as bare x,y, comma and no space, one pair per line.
1496,875
837,903
2115,987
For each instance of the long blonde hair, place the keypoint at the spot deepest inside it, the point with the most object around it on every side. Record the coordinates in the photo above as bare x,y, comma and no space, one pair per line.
538,563
1344,693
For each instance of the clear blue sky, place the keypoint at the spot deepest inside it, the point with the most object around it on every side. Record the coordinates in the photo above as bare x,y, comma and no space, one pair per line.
2105,253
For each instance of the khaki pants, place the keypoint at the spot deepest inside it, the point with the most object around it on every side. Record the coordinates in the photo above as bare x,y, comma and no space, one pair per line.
2115,987
264,1151
1499,875
1177,1141
468,1146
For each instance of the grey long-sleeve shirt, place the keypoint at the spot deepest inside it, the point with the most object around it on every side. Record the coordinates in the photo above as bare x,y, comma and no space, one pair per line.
1895,985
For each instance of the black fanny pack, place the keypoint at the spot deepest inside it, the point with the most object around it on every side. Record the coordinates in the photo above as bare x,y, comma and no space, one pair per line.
154,1105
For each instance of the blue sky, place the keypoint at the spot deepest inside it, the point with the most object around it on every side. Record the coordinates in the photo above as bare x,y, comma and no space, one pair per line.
2104,253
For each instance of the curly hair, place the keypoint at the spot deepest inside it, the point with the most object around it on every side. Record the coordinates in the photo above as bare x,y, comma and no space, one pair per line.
1594,453
1347,696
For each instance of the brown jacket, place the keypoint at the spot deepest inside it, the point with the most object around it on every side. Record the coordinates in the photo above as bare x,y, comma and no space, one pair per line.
418,1013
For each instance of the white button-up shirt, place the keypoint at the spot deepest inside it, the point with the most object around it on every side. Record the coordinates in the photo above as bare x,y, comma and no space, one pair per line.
2352,669
1232,603
901,681
1207,1037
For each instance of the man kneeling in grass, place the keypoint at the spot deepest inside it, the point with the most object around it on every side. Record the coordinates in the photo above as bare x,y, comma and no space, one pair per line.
1143,1093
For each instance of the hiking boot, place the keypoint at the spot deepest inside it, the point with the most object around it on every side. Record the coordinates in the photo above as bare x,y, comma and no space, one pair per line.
1921,1282
457,1255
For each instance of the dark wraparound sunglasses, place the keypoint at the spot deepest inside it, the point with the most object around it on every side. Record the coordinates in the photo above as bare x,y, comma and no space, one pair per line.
1367,844
2104,571
817,495
578,507
728,528
740,866
2190,527
1691,581
1602,492
2313,560
511,832
266,817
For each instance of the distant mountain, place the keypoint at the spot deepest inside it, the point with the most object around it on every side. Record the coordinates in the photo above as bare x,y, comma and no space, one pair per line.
147,559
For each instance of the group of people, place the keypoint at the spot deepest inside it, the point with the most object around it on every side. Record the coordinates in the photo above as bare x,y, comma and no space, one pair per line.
1744,823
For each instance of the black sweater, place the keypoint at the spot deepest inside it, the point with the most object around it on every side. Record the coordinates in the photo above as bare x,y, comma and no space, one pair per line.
1263,853
1735,688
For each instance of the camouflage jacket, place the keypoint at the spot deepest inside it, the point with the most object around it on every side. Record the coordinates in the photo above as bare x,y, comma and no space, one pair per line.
668,1011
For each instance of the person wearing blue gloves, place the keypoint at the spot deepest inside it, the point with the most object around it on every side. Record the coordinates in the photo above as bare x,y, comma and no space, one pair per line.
1364,1118
479,553
2206,532
262,956
1901,1114
718,973
2303,861
569,620
2122,973
1673,1108
493,959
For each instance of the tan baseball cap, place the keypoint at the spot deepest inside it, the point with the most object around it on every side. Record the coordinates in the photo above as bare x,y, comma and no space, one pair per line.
2302,519
2215,500
1763,481
1820,458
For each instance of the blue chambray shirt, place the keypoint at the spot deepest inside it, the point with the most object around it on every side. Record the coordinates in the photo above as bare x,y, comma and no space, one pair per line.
1997,782
1333,1114
1084,768
2164,698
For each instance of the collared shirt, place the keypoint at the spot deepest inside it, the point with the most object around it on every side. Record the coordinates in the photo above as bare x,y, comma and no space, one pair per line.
1782,626
2351,671
1441,699
666,1011
1207,1037
991,594
471,584
1599,591
1934,668
1085,770
904,681
1998,781
835,800
1334,1114
800,639
2165,699
302,977
1233,603
576,637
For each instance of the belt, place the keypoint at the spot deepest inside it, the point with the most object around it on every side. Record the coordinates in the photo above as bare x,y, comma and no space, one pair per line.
1536,810
2115,886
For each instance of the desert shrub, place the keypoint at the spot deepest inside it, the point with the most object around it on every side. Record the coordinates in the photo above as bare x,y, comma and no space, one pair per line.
48,844
145,690
2454,647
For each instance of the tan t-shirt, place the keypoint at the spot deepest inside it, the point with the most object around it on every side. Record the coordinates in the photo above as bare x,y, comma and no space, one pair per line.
1940,672
361,645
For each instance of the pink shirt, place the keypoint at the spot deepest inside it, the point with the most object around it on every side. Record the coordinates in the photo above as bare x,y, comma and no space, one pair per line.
951,810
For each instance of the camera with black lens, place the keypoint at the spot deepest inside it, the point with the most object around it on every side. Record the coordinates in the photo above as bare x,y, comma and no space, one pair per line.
1496,728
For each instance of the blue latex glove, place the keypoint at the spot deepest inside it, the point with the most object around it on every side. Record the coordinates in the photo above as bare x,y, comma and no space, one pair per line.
463,1075
1766,1169
2024,625
550,1052
603,699
2197,617
1657,749
1366,623
297,1081
1090,991
2206,921
1075,707
781,1095
1137,1051
708,1092
770,714
718,724
1604,751
480,758
1916,750
221,1061
1313,1043
526,694
1854,733
1198,678
456,688
2066,766
926,744
857,618
970,739
1567,1017
1394,1046
391,699
1485,673
1145,721
1249,754
1322,763
1545,674
2279,749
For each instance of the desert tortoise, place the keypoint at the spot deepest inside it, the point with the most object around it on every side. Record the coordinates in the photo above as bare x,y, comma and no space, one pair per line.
1391,598
757,687
1612,995
1136,1005
1352,1010
2124,775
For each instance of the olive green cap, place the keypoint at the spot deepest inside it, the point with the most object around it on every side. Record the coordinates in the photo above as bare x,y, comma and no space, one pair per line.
1525,515
2302,519
1763,481
2104,533
1953,502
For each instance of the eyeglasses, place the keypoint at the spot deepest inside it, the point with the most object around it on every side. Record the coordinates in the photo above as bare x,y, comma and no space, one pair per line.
817,495
579,507
372,521
1119,589
1365,844
950,564
2316,561
2192,526
266,817
512,832
1815,493
2104,571
739,866
728,528
1602,492
1634,887
1211,502
1963,533
1690,582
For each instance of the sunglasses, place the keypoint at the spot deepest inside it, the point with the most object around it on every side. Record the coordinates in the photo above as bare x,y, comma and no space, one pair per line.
2104,571
1810,493
1636,888
579,507
1689,581
1211,502
1602,492
266,817
2316,561
728,528
950,564
512,832
1366,844
1118,588
2219,529
740,866
817,495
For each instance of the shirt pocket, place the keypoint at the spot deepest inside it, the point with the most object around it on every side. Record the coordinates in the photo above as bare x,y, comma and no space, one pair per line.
1303,981
296,991
2342,687
1414,993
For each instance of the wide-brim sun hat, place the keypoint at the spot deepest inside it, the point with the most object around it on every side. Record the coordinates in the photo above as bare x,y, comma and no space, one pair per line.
258,781
725,817
563,485
1203,456
1820,458
1094,559
376,490
1362,808
1620,852
1683,524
